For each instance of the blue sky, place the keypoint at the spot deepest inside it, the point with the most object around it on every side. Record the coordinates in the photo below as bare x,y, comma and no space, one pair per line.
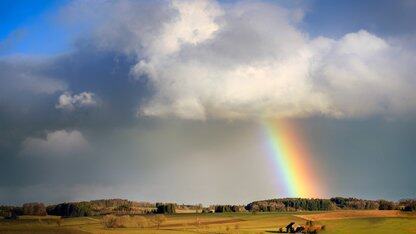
140,100
29,27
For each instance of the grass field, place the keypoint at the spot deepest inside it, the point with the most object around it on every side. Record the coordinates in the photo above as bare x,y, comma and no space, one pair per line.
335,222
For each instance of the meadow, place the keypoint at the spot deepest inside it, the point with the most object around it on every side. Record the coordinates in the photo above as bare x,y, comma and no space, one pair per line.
345,221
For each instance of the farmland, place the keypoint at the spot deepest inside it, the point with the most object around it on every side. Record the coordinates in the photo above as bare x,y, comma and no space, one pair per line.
345,221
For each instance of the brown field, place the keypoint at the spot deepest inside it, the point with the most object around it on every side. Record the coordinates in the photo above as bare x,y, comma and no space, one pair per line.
186,211
349,214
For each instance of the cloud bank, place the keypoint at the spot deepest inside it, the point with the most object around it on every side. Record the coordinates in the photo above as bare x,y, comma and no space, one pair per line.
251,59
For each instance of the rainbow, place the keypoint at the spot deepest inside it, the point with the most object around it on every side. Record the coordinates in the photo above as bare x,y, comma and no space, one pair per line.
292,159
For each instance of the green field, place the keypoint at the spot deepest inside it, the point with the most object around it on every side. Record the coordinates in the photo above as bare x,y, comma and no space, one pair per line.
371,225
223,223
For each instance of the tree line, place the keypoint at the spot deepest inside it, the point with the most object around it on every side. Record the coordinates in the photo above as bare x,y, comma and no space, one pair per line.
125,207
315,204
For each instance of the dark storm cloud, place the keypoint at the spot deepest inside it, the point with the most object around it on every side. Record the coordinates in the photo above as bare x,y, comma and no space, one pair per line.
383,17
146,158
34,93
29,93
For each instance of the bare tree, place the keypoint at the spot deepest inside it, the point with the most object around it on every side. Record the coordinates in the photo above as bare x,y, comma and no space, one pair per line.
158,220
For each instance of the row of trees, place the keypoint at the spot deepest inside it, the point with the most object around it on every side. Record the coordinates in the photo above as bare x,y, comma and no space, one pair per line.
100,207
303,204
228,208
70,210
79,209
10,211
408,204
38,209
290,204
119,207
355,204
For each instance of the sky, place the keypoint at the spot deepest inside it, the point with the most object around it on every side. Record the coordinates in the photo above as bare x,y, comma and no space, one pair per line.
167,100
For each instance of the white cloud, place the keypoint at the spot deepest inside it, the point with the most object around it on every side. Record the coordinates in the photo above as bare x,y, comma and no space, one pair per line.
70,102
364,75
250,60
57,143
